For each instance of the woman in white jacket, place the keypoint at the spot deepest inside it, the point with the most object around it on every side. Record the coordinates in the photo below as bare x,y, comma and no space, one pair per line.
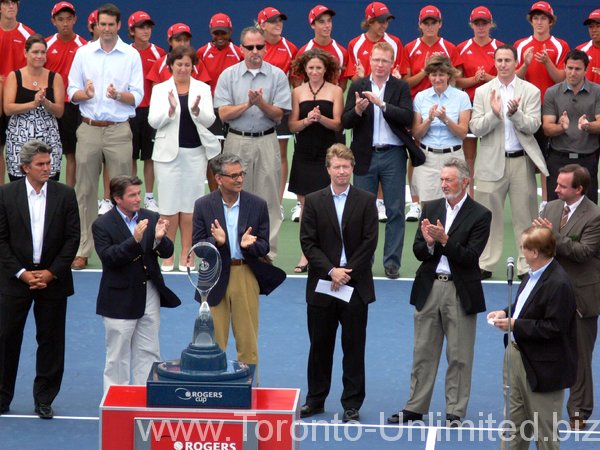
181,110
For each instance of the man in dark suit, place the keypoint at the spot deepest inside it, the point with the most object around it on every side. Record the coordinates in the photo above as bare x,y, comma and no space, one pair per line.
447,294
338,235
237,223
542,347
379,110
128,241
39,236
577,233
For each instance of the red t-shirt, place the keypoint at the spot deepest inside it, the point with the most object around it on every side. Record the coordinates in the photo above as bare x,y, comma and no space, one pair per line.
160,72
471,56
417,52
149,57
334,49
216,61
60,54
593,53
281,54
359,49
12,48
536,73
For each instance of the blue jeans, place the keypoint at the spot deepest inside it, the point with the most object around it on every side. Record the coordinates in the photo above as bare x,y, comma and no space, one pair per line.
389,167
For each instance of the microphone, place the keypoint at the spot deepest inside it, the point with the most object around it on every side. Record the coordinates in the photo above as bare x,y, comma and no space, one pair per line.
510,269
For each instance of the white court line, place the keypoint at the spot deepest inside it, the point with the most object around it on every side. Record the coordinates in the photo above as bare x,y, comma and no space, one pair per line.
28,416
431,438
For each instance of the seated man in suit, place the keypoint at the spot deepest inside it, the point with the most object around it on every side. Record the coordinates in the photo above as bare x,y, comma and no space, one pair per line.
447,294
338,235
542,347
39,236
129,240
237,223
575,222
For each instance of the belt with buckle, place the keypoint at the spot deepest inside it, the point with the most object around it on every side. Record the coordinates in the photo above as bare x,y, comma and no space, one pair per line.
440,150
238,262
515,154
252,134
98,123
443,276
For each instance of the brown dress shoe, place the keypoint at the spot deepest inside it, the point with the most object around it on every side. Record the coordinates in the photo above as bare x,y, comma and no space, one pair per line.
79,263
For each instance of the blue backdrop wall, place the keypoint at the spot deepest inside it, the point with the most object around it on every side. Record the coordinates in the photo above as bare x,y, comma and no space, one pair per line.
509,16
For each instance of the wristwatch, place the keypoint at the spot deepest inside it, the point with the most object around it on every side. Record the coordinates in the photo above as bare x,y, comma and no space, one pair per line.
383,105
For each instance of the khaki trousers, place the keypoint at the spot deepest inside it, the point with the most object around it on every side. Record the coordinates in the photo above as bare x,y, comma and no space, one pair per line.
442,316
262,163
113,143
518,182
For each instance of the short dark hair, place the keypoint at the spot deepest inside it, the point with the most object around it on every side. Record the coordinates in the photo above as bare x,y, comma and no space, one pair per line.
110,9
119,184
578,55
179,53
581,176
222,160
30,149
35,39
539,238
507,47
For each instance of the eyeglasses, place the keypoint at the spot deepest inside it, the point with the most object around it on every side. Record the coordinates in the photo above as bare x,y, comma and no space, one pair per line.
234,176
250,48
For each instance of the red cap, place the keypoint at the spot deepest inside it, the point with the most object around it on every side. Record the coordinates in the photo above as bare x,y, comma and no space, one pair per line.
594,17
60,6
269,13
317,11
481,13
138,18
221,22
177,29
93,18
430,12
542,7
377,9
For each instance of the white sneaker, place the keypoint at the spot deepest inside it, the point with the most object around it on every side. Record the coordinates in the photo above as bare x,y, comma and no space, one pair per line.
414,213
281,213
381,210
541,207
105,206
296,210
150,204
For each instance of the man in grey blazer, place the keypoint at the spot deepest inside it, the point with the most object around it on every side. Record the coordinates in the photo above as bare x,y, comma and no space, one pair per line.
506,115
577,233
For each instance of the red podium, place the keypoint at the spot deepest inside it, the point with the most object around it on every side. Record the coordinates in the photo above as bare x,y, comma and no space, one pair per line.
127,423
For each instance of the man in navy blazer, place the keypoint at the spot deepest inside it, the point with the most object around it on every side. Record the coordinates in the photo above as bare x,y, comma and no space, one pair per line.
542,346
447,294
129,240
379,110
338,235
237,223
39,236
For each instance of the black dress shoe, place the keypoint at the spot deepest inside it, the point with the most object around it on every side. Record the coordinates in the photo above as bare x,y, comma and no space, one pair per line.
44,411
453,421
392,272
307,411
485,274
404,416
351,415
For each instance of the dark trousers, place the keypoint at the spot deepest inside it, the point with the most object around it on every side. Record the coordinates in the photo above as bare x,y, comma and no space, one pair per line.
50,315
556,160
322,329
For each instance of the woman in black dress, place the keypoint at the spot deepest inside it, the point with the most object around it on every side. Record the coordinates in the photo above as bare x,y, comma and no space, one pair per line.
316,118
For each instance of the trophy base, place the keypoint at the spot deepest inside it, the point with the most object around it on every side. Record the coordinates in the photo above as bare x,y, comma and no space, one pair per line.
169,386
